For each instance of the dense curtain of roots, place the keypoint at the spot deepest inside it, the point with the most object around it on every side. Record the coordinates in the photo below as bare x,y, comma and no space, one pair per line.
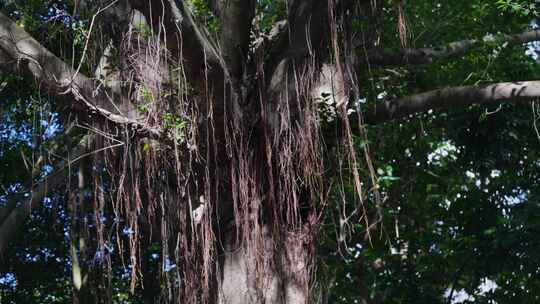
259,178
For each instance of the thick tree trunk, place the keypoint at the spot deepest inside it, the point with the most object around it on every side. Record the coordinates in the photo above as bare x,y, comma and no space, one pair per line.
252,276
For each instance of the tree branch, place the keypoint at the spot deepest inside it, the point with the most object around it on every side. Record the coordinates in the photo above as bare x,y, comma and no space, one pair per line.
17,216
303,35
53,147
453,97
236,19
381,57
20,52
185,39
184,18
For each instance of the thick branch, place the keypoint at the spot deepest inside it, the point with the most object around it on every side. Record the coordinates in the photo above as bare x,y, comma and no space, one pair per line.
20,52
236,18
452,98
303,37
185,39
380,57
184,19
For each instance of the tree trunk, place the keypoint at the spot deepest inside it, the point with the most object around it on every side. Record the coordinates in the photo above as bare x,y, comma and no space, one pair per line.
252,276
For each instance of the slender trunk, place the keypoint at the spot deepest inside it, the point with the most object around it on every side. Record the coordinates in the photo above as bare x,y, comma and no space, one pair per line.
78,247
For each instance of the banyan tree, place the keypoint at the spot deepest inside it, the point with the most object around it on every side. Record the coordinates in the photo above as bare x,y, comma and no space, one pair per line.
222,132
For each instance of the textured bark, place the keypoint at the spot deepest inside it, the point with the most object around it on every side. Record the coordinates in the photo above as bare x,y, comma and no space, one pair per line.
242,270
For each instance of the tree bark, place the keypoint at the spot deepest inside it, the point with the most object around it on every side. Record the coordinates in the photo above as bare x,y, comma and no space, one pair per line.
244,271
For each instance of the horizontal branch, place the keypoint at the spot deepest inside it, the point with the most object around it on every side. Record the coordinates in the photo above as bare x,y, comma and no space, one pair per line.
381,57
453,97
20,52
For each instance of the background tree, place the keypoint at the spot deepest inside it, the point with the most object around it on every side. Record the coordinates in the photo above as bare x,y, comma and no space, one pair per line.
269,151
